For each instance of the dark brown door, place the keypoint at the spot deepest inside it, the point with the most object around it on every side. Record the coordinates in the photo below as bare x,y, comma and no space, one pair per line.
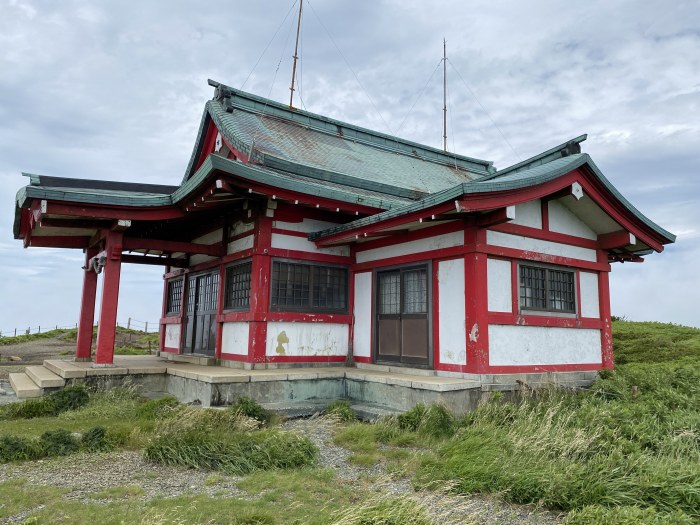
402,316
200,314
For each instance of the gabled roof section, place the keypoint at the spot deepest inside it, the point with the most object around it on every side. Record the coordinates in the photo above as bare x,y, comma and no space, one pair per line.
311,145
509,181
570,147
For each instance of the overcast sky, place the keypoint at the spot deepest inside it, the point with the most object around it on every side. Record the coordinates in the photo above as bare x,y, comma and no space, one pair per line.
115,91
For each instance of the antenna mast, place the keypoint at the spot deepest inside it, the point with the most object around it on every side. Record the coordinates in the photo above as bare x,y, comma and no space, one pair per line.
444,94
294,67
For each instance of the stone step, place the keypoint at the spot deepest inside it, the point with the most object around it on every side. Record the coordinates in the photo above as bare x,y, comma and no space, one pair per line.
65,369
23,386
369,412
43,377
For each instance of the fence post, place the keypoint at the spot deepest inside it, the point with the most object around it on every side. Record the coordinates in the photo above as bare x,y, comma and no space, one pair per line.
28,330
146,329
15,332
128,324
39,330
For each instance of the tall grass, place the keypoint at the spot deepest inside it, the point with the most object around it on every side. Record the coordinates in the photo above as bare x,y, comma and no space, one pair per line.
238,453
628,449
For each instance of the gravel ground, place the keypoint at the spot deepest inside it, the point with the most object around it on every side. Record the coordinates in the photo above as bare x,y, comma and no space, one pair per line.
90,474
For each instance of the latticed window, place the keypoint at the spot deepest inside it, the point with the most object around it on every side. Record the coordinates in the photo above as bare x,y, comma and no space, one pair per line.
308,287
238,286
547,289
174,301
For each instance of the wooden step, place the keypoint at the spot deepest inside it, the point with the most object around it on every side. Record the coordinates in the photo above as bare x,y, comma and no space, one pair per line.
23,386
44,377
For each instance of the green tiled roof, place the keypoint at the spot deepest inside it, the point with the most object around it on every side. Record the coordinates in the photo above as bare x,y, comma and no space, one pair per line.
301,142
512,180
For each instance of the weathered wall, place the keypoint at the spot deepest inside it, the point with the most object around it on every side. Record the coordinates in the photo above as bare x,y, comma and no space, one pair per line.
172,335
209,238
362,334
307,339
437,242
590,301
529,214
500,285
561,220
451,308
534,345
507,240
234,338
292,242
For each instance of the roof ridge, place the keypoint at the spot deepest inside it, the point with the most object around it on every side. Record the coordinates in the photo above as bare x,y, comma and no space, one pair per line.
230,97
565,149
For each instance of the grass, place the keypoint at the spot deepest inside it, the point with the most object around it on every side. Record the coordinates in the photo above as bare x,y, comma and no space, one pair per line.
24,338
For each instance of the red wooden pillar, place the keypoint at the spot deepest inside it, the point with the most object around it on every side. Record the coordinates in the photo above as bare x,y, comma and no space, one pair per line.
110,298
83,347
260,290
476,307
605,320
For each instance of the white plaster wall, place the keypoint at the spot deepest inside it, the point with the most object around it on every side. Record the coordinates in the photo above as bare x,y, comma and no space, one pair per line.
306,226
535,345
446,240
244,243
590,302
529,214
499,285
507,240
234,338
172,335
291,242
561,220
209,238
198,259
307,339
362,333
451,308
242,227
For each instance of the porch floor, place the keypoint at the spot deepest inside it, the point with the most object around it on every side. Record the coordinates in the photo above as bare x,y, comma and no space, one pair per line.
140,365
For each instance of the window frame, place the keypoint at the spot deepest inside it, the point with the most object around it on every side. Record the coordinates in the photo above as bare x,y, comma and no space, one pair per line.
226,306
308,307
548,310
169,312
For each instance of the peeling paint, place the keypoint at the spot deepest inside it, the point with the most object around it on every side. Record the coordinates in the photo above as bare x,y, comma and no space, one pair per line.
474,333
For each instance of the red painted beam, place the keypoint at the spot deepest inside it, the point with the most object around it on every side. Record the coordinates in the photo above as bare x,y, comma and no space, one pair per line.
618,239
132,243
59,241
493,218
87,224
113,212
157,261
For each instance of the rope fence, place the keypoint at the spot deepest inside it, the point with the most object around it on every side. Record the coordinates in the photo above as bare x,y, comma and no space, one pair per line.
130,324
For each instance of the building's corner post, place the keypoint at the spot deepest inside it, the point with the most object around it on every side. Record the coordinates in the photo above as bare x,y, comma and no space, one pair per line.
260,289
83,346
476,296
606,340
110,298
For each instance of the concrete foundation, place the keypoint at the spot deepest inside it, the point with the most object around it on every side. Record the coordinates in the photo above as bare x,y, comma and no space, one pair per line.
371,390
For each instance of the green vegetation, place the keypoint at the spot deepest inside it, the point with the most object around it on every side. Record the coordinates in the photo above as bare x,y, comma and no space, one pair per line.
24,338
239,453
341,411
625,451
70,398
245,406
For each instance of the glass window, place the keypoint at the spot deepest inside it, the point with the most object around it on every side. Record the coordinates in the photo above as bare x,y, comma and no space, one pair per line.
308,287
237,291
547,289
174,301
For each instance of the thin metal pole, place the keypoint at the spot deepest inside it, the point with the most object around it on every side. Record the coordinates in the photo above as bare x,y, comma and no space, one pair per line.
294,67
444,94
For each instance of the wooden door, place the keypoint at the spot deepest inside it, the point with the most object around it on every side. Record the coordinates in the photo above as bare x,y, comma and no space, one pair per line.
402,316
200,314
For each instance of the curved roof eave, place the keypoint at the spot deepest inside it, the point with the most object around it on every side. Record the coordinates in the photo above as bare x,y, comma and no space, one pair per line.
517,180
